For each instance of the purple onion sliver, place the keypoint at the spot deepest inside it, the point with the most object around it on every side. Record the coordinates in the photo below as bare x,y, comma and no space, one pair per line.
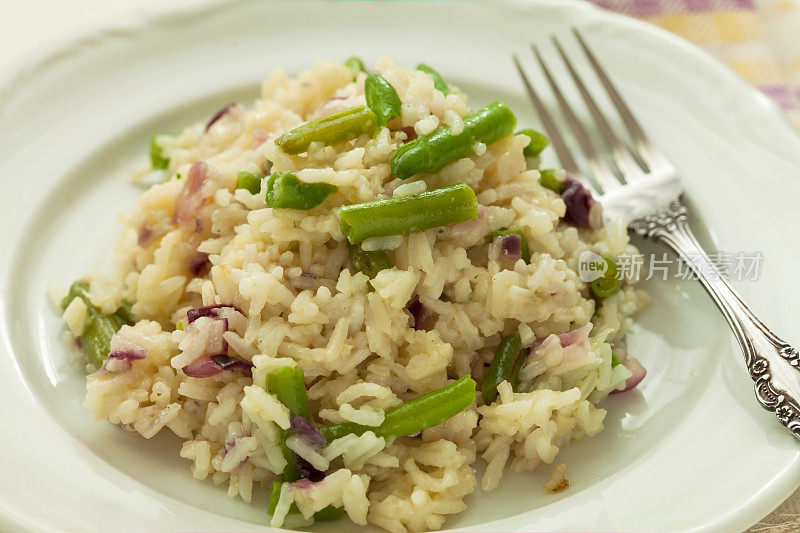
307,431
582,209
226,362
306,471
198,263
126,354
202,367
218,115
423,319
638,371
511,245
208,310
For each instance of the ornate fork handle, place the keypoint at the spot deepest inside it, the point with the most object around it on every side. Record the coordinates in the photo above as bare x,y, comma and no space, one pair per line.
773,364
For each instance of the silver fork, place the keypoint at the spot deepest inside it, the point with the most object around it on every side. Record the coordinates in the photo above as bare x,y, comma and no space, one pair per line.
649,196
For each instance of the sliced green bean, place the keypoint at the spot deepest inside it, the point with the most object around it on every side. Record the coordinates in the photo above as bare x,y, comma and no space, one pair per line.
608,284
328,513
538,142
368,263
329,130
409,214
614,360
514,379
382,99
124,313
289,387
415,415
501,369
553,179
96,337
157,159
355,64
524,248
249,181
438,81
432,152
285,191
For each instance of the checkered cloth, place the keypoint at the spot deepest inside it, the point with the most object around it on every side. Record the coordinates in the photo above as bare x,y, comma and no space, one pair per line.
758,39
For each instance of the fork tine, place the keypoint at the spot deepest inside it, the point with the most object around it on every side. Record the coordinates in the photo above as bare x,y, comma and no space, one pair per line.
603,175
622,157
646,150
564,155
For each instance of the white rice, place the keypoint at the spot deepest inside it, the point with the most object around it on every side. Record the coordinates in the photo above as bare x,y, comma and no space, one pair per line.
299,304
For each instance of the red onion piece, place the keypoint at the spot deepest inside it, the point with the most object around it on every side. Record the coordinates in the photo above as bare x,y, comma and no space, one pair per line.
576,336
207,310
129,355
474,230
306,431
122,347
506,250
424,319
331,105
199,263
219,114
145,233
582,209
306,471
410,132
189,200
639,372
202,367
211,365
226,362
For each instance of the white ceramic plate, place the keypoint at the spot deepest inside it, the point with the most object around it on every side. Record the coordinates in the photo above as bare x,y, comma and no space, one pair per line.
690,451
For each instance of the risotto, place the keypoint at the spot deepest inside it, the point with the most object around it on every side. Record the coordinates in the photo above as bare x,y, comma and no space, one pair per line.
352,293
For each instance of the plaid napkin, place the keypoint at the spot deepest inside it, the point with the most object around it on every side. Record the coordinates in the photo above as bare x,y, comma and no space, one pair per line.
757,38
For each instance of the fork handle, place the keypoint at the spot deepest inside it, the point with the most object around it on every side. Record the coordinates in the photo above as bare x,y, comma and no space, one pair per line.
774,365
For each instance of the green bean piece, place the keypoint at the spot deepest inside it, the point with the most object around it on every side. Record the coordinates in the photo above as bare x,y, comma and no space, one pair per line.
505,358
179,325
157,159
524,248
382,99
355,64
96,337
328,513
432,152
284,190
438,81
329,130
614,360
409,214
608,284
124,313
289,386
553,179
249,181
538,142
514,378
368,263
411,417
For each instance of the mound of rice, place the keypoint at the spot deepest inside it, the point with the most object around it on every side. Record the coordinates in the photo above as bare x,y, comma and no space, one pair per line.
297,301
